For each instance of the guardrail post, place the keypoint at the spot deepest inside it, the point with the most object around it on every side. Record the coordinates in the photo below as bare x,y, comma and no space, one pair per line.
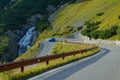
63,58
47,62
74,55
22,69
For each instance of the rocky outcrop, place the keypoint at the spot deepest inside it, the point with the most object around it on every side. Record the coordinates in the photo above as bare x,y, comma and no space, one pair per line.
12,50
8,47
51,8
14,37
32,20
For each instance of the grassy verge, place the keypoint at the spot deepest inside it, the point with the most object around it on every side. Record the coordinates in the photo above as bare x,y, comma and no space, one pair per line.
63,47
42,67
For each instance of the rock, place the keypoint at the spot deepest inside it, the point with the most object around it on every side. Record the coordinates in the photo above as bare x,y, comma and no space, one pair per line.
12,51
14,37
12,46
32,20
51,8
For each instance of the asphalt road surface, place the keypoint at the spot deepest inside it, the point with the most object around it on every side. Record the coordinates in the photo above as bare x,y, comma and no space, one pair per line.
45,48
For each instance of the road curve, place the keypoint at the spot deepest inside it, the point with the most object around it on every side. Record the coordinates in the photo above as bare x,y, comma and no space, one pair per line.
102,66
46,46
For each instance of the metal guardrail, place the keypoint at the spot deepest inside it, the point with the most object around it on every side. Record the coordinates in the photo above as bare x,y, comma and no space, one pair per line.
27,62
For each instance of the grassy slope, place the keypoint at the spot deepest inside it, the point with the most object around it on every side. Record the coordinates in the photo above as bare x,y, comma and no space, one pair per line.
74,13
62,47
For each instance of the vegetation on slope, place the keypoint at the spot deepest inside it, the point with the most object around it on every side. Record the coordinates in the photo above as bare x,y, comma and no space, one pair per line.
62,47
18,12
3,46
3,3
104,11
91,31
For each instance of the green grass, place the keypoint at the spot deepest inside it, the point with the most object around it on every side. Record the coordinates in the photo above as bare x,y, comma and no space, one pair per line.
116,37
62,47
109,11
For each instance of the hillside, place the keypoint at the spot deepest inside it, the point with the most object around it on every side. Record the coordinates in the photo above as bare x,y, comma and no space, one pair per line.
105,12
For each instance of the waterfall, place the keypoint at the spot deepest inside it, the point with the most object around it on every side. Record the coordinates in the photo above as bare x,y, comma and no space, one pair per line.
27,40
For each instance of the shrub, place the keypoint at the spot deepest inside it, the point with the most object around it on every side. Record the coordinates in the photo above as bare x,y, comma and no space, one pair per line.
90,31
79,28
3,47
118,31
100,14
95,34
3,44
108,33
119,17
1,29
91,26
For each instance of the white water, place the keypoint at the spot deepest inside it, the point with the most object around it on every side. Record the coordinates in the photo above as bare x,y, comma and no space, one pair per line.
26,41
